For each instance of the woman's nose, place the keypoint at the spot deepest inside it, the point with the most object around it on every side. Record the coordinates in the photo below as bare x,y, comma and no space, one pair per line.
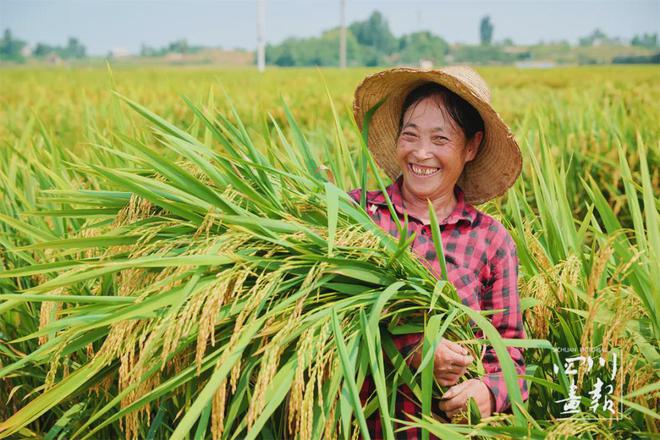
423,151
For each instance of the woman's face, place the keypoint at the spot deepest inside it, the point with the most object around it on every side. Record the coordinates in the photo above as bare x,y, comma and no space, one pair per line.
432,149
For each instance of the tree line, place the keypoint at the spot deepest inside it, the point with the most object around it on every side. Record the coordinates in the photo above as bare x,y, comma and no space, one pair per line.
368,43
14,49
371,42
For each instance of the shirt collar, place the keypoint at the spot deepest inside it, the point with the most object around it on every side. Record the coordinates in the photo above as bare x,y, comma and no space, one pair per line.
462,211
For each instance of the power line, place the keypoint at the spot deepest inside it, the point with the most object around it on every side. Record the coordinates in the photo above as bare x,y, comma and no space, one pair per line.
261,49
342,35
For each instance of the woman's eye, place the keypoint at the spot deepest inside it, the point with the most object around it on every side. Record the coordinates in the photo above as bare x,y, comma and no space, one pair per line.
440,139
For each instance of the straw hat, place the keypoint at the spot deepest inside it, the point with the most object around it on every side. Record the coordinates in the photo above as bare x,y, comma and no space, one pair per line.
498,161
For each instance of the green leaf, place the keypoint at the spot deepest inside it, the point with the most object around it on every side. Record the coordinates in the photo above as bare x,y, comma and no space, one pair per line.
349,375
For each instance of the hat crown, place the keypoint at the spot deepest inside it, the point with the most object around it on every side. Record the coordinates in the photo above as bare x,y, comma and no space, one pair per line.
471,79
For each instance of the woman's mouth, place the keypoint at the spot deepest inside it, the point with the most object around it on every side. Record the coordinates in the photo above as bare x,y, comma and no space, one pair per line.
422,171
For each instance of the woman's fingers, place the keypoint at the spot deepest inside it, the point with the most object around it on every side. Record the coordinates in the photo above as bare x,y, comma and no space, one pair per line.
451,352
444,357
451,357
451,405
453,346
451,362
449,369
448,380
449,374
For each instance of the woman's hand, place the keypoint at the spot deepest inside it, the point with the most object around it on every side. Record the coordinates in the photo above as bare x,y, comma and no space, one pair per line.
451,362
456,398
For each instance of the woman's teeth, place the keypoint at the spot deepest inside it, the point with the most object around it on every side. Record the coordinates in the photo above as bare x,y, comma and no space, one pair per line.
422,171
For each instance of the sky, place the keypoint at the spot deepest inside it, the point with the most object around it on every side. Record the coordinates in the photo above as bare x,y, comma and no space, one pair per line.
104,25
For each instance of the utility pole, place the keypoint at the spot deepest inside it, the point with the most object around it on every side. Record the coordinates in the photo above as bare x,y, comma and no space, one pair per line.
261,49
342,35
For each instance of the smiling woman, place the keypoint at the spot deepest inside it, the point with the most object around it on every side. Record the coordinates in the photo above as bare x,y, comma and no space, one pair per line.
439,133
441,142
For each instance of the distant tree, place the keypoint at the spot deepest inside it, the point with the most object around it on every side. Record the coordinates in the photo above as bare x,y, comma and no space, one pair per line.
645,40
485,55
42,50
422,45
280,54
637,59
485,31
594,38
179,46
74,49
315,51
10,48
375,32
147,51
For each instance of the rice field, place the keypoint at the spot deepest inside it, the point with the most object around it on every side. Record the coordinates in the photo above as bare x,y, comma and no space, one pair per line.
178,258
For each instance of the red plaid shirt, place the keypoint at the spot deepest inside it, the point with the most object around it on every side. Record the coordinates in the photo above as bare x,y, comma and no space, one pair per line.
482,264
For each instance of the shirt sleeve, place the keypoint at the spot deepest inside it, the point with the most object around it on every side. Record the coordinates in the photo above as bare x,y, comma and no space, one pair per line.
502,293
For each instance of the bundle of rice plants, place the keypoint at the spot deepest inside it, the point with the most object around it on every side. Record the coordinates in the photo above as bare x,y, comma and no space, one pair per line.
234,290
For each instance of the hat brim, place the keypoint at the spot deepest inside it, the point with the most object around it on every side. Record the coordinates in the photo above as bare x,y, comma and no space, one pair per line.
498,162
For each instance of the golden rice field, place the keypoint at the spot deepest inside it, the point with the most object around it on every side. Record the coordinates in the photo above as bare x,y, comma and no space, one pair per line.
179,259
